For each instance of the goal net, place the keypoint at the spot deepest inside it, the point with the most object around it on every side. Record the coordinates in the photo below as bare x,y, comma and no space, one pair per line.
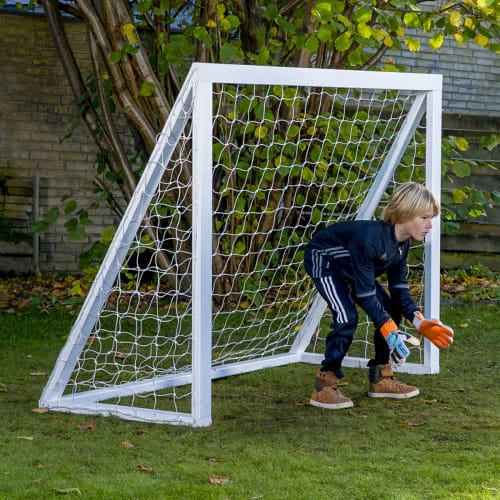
204,277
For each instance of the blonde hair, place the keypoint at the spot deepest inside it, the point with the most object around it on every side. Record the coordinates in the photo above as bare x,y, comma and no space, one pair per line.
408,201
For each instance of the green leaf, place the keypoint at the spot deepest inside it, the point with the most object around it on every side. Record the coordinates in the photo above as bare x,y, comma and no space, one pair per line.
355,57
147,89
322,11
312,43
52,215
115,56
77,234
461,168
70,207
343,42
271,11
490,143
477,196
363,15
39,226
316,216
412,20
324,35
227,53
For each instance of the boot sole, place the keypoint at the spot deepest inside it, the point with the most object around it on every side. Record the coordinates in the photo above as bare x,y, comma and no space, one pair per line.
394,395
331,406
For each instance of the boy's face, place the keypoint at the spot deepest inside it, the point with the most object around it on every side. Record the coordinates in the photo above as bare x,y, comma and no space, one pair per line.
419,227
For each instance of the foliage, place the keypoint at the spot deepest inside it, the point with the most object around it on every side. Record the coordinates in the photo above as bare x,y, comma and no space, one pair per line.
460,204
472,285
41,293
140,53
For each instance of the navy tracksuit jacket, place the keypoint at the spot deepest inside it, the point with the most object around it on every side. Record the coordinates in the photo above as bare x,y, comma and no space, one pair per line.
344,260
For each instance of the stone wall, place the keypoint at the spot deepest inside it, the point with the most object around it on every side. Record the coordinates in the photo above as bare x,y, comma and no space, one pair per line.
37,112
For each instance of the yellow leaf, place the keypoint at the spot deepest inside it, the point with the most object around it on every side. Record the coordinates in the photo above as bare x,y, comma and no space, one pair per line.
388,41
469,23
412,44
455,19
129,31
436,41
211,23
459,38
364,30
461,143
481,40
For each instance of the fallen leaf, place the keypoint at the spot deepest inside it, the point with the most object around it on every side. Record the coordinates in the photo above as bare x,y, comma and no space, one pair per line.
305,402
27,438
87,425
143,468
407,423
126,444
214,479
38,374
218,460
464,325
38,482
40,410
431,401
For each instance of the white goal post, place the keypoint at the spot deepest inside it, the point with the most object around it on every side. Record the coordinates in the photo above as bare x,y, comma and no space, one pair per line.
204,277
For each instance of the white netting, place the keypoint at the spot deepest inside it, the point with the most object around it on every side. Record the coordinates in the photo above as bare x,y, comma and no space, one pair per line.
287,161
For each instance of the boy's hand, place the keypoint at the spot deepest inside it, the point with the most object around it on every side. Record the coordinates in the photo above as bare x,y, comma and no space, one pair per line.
396,341
438,333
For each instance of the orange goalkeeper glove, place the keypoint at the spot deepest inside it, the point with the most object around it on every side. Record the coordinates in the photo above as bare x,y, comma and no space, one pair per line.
438,333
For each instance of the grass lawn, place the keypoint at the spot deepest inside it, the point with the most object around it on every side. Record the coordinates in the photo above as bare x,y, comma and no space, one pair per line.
265,442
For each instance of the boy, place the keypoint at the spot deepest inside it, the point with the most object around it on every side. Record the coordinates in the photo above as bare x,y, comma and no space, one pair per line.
344,261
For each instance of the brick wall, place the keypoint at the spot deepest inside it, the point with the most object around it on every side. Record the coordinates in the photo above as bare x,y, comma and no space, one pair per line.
36,112
37,107
471,75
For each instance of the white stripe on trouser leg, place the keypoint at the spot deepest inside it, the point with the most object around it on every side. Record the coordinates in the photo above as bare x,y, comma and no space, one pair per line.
333,299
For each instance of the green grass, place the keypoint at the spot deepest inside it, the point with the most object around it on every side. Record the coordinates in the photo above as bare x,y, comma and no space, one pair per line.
443,444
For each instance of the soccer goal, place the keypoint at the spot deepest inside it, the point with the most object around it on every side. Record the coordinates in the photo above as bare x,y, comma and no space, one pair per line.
204,277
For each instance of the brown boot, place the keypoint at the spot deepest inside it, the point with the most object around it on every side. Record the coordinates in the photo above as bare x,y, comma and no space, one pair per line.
384,385
326,393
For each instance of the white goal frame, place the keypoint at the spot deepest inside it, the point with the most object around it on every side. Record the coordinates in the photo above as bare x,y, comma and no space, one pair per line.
195,103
